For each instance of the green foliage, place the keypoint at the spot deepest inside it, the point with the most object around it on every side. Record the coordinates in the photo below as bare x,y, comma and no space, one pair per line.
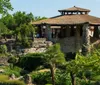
41,78
4,80
30,61
19,25
9,21
96,78
3,49
12,60
48,84
3,29
54,55
12,83
39,18
62,78
14,70
3,77
22,18
5,5
23,33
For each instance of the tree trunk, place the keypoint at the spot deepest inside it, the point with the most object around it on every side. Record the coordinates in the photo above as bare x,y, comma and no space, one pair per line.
52,74
32,36
5,37
72,78
16,38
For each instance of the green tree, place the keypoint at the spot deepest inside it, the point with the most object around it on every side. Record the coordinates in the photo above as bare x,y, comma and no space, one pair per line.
82,64
23,18
37,18
20,18
52,57
9,21
3,30
32,31
29,17
5,5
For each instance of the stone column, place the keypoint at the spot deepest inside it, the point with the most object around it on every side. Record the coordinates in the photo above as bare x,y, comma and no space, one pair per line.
77,38
48,33
85,39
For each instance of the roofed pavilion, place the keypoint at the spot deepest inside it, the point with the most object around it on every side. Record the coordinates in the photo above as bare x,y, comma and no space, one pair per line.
73,28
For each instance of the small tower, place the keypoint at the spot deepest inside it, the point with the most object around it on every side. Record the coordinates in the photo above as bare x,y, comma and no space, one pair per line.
74,10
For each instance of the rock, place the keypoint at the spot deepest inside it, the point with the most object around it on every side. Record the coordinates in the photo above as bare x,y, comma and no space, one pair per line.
12,77
28,79
2,71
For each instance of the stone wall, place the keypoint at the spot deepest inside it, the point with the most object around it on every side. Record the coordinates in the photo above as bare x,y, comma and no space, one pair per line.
69,44
4,60
39,45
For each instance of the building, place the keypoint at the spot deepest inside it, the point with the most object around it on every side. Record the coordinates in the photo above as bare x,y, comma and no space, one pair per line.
74,29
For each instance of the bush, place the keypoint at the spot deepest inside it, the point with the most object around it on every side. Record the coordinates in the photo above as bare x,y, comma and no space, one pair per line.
30,61
62,78
12,83
44,78
3,49
15,70
41,78
4,81
26,43
3,77
12,60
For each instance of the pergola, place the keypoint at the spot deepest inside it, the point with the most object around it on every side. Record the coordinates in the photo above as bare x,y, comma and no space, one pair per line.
73,21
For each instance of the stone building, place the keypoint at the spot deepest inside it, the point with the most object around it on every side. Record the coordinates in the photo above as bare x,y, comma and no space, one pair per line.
74,29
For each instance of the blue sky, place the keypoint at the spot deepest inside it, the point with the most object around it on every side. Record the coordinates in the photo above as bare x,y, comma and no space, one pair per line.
49,8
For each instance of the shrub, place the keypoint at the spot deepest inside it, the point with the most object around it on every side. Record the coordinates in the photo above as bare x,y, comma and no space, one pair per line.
12,60
3,49
4,81
3,77
30,61
15,70
62,78
41,78
12,83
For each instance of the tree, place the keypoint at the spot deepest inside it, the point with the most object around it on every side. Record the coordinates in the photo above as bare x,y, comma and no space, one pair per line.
5,5
32,31
81,64
22,18
37,18
3,30
9,21
23,34
52,57
29,17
